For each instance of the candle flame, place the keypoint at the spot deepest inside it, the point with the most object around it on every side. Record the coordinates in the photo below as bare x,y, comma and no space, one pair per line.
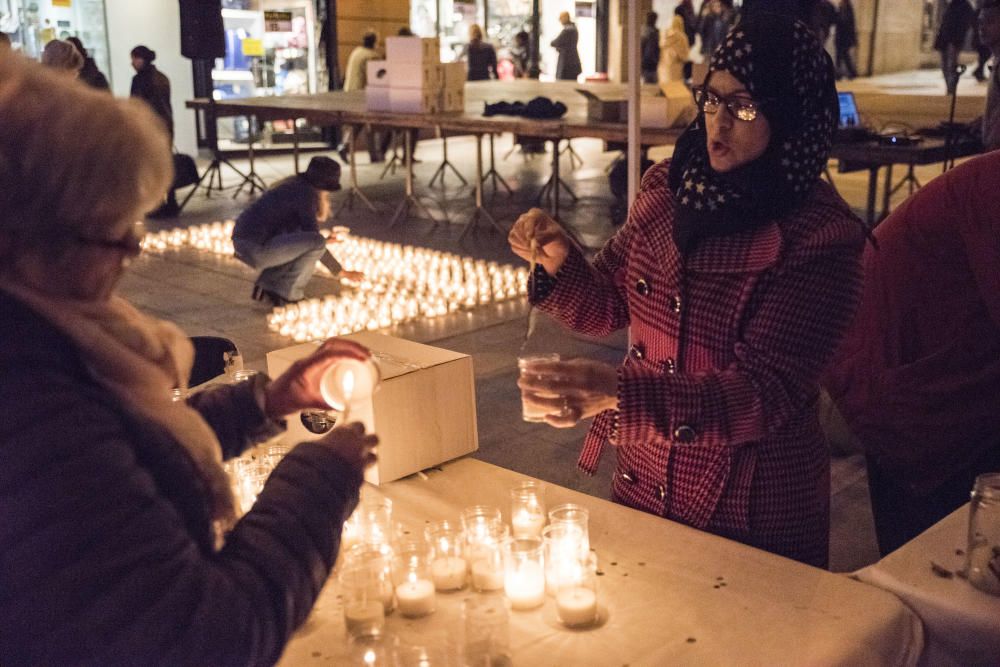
348,384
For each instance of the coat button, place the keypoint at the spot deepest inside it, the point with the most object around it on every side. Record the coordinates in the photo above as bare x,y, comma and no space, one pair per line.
684,434
662,491
628,476
670,365
674,303
643,287
636,352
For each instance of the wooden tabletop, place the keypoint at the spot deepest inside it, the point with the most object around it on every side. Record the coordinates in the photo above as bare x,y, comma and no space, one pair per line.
334,108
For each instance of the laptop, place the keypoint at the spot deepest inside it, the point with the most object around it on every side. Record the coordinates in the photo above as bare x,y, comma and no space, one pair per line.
849,127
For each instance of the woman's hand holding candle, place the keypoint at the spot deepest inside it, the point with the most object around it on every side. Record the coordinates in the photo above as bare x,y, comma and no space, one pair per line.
298,387
569,391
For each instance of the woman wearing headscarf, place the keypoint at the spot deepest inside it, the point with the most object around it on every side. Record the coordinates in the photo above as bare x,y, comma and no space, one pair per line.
736,274
119,538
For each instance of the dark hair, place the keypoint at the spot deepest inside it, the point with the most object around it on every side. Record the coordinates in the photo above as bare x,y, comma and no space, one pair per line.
651,18
75,41
405,31
369,40
145,53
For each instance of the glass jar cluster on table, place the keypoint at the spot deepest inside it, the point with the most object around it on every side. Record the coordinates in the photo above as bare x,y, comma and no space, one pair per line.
402,282
386,567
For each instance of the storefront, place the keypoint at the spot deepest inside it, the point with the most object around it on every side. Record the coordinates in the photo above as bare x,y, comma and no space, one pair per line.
31,24
501,20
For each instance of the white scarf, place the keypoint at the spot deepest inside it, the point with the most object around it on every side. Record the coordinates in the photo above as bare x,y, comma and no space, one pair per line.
141,360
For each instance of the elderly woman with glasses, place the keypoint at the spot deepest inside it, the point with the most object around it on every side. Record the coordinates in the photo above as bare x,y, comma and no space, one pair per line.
736,275
119,539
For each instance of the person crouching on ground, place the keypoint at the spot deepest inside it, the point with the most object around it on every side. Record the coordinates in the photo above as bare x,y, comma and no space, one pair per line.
279,233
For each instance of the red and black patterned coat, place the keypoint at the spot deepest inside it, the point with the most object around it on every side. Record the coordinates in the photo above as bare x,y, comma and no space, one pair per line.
717,424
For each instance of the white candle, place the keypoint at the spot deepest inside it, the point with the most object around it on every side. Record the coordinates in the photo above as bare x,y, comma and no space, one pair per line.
448,573
362,618
346,380
525,588
576,605
415,597
486,576
527,524
388,596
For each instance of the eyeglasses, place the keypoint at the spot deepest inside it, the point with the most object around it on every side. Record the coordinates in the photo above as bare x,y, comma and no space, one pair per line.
130,244
739,107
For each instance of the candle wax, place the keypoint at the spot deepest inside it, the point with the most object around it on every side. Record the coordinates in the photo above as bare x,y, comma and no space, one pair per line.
525,588
576,605
526,524
486,576
362,618
448,573
415,598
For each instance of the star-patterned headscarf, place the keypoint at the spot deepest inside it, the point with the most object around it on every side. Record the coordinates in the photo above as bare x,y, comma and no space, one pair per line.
791,77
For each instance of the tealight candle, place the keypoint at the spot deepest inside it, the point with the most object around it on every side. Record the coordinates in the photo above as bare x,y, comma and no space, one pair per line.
487,575
448,565
415,597
348,381
527,509
576,605
524,573
364,618
448,573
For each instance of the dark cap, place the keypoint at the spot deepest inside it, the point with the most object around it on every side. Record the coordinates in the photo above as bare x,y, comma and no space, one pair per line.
323,173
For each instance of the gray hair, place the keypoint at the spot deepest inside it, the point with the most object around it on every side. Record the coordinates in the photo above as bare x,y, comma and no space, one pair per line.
62,55
73,160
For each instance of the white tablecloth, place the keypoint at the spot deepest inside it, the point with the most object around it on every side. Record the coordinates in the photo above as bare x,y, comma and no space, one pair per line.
961,623
663,590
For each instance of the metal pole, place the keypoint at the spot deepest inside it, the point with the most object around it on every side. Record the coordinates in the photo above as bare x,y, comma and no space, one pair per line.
871,39
535,68
634,141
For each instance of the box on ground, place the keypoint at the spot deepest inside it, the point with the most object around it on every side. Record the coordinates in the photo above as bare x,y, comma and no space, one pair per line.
377,98
377,74
416,75
453,75
675,108
413,100
413,49
452,99
424,411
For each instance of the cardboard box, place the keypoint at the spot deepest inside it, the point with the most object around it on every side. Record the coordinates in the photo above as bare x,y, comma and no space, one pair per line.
612,110
452,99
413,49
416,75
413,100
453,75
377,98
377,74
424,411
675,108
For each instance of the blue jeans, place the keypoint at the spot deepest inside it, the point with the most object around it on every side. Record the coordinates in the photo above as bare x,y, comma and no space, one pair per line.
286,262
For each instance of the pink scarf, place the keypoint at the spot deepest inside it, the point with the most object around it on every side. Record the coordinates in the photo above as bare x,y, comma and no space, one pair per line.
141,360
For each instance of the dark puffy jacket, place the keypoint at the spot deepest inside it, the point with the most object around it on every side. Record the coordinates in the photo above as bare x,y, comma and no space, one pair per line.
105,538
151,85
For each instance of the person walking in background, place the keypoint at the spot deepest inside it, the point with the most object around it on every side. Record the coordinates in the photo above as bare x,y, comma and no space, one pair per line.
989,35
568,66
686,10
279,233
153,87
983,52
717,17
63,56
951,35
356,78
89,73
845,39
520,54
480,56
649,48
674,51
917,377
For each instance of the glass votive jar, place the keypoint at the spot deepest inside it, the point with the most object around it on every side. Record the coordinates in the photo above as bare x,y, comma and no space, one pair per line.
563,553
576,596
487,630
477,519
243,375
411,575
527,509
178,395
448,566
361,592
576,515
375,557
982,559
484,554
252,475
529,411
524,573
274,453
349,380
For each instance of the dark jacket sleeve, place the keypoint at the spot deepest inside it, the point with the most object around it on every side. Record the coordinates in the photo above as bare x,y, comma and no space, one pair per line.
234,413
97,567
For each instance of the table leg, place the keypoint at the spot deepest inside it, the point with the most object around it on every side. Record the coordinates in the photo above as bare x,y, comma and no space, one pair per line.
295,148
410,199
480,211
354,190
251,180
555,179
887,192
872,187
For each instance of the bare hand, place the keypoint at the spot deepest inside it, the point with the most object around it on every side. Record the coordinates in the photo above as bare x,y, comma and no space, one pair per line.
352,276
569,391
298,387
552,242
352,445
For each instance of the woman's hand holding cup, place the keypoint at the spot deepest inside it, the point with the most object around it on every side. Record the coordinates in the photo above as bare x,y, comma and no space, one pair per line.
298,388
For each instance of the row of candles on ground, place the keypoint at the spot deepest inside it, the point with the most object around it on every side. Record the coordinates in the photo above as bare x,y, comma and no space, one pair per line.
401,283
387,568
